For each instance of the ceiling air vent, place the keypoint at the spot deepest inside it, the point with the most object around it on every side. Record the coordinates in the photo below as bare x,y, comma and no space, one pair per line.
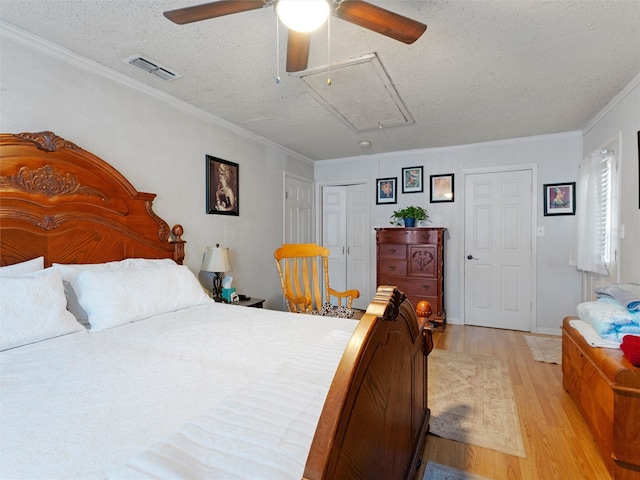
152,67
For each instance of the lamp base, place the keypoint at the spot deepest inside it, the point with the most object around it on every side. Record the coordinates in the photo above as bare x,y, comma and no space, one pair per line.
216,293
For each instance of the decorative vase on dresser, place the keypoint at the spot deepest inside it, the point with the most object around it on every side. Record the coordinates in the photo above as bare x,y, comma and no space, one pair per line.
413,260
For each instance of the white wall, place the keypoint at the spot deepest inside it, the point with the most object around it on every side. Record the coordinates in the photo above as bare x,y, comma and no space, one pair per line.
622,117
160,146
556,158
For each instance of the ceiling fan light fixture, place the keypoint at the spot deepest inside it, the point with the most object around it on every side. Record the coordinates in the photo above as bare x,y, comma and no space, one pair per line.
302,15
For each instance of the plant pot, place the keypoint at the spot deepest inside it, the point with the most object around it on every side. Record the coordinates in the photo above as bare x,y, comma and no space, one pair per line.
409,222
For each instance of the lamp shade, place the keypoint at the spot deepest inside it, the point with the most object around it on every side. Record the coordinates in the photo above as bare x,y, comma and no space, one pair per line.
216,259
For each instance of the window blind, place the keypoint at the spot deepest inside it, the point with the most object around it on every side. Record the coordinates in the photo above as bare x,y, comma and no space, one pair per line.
594,211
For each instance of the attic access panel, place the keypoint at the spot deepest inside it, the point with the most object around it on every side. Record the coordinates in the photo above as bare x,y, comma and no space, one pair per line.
361,93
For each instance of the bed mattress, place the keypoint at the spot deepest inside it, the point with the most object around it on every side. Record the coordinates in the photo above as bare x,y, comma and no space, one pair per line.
138,398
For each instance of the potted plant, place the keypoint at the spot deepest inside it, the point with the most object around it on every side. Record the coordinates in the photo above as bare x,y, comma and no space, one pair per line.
408,215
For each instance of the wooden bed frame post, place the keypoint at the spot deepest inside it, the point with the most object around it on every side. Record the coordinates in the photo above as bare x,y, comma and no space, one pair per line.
375,418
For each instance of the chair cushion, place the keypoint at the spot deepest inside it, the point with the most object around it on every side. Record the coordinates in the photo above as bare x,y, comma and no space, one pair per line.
329,310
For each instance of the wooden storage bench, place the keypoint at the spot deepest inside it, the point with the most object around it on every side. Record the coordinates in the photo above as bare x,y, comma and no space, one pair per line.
606,389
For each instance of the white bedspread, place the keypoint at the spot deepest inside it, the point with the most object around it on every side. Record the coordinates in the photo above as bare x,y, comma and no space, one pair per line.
79,406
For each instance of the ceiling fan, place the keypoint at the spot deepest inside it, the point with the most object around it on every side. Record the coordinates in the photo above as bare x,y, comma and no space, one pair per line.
358,12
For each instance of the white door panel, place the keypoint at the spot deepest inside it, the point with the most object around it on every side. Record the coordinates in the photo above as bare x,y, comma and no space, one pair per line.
498,249
298,208
358,243
334,234
298,212
345,226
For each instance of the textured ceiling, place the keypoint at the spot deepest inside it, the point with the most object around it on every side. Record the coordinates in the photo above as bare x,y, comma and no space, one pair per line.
483,70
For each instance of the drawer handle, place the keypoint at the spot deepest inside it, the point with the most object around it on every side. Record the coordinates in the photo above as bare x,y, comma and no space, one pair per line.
388,235
426,287
392,250
392,268
426,235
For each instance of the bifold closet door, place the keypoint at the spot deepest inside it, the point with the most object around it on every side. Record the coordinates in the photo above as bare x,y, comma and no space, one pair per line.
345,232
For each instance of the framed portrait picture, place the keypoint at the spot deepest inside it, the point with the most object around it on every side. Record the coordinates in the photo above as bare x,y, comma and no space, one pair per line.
412,180
223,181
386,190
441,188
560,198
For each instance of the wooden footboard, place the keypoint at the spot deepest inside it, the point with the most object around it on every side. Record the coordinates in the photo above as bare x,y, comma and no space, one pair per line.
606,390
375,417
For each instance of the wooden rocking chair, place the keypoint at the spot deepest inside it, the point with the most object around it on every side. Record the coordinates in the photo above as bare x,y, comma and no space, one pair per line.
299,267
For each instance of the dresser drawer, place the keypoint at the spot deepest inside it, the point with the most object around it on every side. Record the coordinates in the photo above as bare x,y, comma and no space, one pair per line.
407,236
426,287
392,268
392,250
411,287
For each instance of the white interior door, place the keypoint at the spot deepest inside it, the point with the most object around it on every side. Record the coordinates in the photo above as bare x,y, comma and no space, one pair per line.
498,249
334,233
345,223
358,242
298,209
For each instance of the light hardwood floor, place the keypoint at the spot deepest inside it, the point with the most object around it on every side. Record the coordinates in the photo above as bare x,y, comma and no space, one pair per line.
557,441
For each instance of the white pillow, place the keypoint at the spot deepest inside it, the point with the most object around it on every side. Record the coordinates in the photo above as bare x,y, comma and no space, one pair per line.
72,270
117,296
22,268
147,262
33,308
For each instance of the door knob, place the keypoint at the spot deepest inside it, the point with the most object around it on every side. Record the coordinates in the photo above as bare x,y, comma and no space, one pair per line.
471,257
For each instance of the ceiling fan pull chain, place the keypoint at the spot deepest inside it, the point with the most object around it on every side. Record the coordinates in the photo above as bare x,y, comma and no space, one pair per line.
329,51
277,50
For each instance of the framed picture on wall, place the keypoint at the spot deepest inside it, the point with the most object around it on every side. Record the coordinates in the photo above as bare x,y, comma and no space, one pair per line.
386,190
560,198
441,188
412,180
223,182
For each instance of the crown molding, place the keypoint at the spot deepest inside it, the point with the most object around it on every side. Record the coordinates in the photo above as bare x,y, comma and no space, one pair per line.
635,81
52,50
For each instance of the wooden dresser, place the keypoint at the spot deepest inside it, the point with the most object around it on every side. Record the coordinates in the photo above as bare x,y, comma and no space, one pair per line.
413,260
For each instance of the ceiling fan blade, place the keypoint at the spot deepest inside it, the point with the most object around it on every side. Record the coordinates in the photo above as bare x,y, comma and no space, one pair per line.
380,20
297,51
211,10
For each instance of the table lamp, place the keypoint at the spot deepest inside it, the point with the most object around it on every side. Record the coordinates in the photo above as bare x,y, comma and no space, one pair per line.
216,260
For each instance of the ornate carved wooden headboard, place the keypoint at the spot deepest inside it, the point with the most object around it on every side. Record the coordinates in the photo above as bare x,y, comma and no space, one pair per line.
62,202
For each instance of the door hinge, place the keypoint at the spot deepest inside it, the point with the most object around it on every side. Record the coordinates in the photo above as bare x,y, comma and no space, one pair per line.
286,195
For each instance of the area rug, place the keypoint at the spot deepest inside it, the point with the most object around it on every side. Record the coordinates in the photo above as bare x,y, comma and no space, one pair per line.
435,471
471,400
545,349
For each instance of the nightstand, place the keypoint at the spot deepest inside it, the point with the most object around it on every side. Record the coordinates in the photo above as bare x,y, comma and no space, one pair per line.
252,302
